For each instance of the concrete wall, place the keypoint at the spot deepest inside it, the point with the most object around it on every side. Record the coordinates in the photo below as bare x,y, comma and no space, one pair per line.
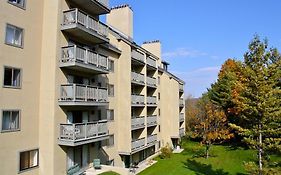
25,99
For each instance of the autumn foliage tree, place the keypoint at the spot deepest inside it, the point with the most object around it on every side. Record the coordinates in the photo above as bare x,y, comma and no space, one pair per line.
223,92
191,112
210,124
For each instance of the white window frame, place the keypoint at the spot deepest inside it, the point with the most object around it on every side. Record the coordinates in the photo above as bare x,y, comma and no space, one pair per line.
20,77
30,167
111,65
19,120
109,94
15,28
22,6
110,114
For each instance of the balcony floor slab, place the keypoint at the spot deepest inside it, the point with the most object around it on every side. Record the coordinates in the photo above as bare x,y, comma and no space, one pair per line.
82,103
88,68
82,141
81,33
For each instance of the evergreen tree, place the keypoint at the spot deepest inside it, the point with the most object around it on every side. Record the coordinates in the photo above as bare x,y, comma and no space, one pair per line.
259,101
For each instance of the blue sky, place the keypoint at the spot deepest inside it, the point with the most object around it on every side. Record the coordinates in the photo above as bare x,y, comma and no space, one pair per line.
197,36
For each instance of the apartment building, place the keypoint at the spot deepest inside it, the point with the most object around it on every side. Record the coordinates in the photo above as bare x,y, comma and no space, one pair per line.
75,89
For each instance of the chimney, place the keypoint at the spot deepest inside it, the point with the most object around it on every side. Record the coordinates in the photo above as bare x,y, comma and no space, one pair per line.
154,47
121,18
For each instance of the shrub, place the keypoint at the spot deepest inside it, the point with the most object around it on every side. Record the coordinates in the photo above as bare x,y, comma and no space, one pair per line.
166,152
252,169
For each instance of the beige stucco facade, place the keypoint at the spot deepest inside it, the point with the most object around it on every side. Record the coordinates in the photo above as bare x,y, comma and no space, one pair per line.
87,90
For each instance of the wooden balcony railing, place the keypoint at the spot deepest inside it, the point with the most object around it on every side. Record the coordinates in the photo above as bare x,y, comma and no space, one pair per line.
151,120
181,117
151,62
151,100
82,55
137,99
137,122
138,143
137,55
151,81
77,92
75,16
137,77
83,131
151,139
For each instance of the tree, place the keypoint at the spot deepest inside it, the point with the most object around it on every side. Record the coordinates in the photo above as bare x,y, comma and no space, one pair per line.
226,88
211,124
260,101
191,112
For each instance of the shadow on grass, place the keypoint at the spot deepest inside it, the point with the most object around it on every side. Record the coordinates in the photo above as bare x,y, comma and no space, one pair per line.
202,169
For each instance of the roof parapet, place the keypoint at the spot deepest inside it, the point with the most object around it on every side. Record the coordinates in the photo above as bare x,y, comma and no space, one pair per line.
121,6
150,42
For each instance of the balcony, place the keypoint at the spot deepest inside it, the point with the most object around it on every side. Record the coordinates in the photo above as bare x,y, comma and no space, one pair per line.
181,87
151,82
151,62
82,95
137,100
80,59
181,102
95,7
82,133
152,101
151,120
151,139
137,78
136,55
181,132
137,123
139,143
181,118
82,27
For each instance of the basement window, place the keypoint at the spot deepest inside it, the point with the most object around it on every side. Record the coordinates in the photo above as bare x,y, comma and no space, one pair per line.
29,159
18,3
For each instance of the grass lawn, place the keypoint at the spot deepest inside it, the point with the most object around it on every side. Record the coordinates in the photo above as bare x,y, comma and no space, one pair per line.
109,173
224,160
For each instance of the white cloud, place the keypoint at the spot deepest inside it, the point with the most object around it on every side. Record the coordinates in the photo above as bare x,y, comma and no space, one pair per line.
208,69
183,52
199,70
198,80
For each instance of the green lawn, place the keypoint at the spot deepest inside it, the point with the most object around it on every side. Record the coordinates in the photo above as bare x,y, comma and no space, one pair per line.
109,173
224,160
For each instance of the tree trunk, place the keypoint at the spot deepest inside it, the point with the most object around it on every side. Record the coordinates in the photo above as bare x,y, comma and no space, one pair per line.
207,150
260,150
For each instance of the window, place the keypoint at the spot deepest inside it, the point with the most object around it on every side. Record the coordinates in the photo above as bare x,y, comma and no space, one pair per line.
14,35
11,120
111,90
159,112
110,141
99,114
12,77
158,95
158,80
20,3
111,65
29,159
159,128
110,114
